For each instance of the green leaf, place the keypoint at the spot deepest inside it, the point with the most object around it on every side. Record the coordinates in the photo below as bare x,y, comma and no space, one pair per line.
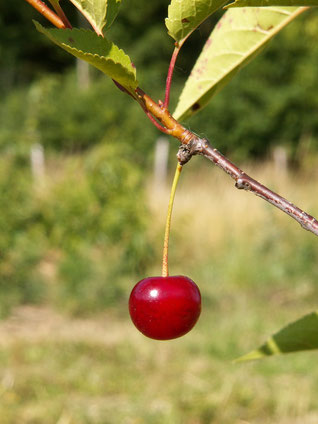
239,36
265,3
184,16
111,12
298,336
97,51
99,13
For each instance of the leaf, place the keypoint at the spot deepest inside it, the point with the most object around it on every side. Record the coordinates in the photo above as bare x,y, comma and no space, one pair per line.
97,51
99,13
184,16
111,12
298,336
265,3
238,37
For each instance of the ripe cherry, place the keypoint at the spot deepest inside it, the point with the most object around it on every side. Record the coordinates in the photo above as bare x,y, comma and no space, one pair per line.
165,308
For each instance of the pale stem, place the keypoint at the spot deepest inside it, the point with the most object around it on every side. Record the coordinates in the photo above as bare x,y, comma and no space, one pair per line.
165,270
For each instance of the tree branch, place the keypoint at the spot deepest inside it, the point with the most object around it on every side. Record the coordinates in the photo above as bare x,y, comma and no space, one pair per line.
191,145
163,115
47,13
243,181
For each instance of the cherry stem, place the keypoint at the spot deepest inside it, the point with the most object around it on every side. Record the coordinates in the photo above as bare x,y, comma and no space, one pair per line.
169,76
165,270
47,13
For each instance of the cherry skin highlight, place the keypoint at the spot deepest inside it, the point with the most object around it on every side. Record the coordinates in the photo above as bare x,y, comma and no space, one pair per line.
165,308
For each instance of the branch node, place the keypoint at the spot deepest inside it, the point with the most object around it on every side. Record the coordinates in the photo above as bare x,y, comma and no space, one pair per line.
184,154
242,184
193,147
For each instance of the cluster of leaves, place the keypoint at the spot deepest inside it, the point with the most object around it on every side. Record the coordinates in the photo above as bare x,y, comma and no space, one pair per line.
238,37
274,96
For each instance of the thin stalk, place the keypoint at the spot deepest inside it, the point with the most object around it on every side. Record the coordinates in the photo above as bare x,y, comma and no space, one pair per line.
169,76
165,270
61,14
164,116
47,13
156,124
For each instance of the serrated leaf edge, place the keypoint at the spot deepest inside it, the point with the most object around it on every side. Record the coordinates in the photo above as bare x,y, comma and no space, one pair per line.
98,30
182,40
271,33
131,72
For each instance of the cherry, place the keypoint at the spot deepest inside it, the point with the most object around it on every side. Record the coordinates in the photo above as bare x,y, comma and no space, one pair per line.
165,308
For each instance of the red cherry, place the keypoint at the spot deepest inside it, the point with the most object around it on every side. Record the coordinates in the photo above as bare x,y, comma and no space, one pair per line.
165,308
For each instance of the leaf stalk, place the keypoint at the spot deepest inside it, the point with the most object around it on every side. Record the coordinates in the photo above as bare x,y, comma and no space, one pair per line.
165,268
170,74
61,14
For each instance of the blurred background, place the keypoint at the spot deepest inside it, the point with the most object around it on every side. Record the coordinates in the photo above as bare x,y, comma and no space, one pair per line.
84,188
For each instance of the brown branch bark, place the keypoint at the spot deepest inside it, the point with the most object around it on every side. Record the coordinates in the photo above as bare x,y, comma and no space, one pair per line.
243,181
191,145
47,13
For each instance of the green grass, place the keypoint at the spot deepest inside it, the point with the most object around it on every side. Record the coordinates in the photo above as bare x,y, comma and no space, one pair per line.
257,271
102,371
